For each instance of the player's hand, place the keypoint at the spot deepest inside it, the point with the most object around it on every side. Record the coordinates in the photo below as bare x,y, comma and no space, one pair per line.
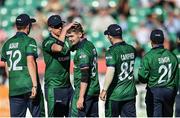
80,103
103,95
67,27
33,92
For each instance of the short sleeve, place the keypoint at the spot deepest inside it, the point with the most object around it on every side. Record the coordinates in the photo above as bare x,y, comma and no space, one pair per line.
32,49
83,59
110,59
47,44
144,69
3,54
67,47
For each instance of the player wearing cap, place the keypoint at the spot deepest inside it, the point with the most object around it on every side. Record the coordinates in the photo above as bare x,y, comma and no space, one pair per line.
85,99
119,89
56,51
159,70
177,53
19,54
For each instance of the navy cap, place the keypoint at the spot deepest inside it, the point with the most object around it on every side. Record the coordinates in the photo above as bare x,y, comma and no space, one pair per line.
55,21
157,36
114,30
24,20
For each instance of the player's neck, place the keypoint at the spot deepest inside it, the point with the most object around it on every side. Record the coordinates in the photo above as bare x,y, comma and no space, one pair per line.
156,45
24,31
117,41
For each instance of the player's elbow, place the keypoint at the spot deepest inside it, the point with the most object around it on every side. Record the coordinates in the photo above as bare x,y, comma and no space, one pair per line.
56,48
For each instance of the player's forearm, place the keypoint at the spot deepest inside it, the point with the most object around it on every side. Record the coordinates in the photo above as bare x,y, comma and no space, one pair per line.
32,71
108,77
6,69
56,48
64,31
84,81
83,87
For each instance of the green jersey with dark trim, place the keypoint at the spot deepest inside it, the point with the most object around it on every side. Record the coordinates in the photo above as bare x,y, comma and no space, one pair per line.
121,56
177,53
57,63
159,68
15,52
86,56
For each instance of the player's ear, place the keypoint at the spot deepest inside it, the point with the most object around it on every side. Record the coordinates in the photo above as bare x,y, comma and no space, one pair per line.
80,34
50,29
110,37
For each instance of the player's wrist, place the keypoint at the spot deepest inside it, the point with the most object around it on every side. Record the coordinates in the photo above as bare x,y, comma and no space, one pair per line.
104,90
34,87
60,42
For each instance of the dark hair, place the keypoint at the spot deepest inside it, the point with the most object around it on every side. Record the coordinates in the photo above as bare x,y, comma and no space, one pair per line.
21,27
76,28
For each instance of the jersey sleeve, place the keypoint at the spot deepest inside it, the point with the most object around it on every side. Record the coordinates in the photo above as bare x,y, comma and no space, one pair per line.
46,45
67,47
83,59
110,59
3,54
32,49
144,70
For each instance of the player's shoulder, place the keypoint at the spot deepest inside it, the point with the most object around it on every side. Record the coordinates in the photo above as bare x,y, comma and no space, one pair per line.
89,43
8,41
176,51
170,53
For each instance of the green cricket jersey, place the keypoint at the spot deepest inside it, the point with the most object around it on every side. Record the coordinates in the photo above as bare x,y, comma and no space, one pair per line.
158,68
86,56
15,52
177,53
122,57
57,64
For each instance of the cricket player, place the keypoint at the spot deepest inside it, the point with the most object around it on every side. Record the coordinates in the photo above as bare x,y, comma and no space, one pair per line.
159,69
119,89
56,52
85,99
19,54
177,53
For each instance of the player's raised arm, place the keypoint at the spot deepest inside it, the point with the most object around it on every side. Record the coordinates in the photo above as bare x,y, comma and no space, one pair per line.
57,32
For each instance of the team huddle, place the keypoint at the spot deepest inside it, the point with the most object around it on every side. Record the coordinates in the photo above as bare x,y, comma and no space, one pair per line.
159,70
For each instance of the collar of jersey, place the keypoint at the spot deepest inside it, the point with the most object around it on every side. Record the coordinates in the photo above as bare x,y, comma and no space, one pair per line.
52,36
20,33
119,43
79,45
159,46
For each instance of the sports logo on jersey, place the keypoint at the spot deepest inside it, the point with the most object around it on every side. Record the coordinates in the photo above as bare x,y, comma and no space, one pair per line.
82,56
47,43
108,57
64,58
178,56
33,45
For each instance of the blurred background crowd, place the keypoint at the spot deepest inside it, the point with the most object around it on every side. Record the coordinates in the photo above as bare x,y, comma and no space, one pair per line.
136,17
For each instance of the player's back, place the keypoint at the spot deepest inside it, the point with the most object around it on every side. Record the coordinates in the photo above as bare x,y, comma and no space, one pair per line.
15,51
177,53
123,84
162,66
